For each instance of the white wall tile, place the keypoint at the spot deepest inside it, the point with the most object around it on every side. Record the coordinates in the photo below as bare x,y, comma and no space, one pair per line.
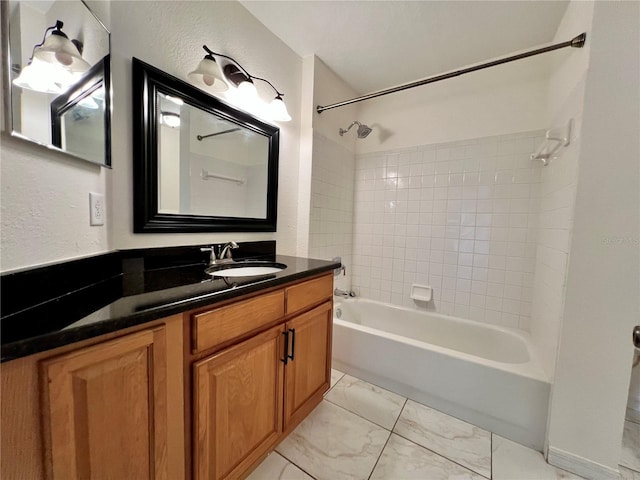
462,217
335,176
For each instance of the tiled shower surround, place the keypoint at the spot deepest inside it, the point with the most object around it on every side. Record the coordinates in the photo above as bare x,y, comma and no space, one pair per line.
331,218
460,217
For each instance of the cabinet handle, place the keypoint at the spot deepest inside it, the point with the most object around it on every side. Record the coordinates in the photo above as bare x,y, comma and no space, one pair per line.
293,343
286,348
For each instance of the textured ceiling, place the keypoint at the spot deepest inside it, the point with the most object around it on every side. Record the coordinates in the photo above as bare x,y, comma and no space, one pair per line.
378,44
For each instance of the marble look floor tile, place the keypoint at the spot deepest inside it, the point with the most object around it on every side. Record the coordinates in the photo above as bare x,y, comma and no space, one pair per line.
514,461
402,459
336,375
628,474
373,403
630,456
276,467
333,444
459,441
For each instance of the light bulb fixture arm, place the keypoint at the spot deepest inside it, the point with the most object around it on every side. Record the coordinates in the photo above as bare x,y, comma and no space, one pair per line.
57,27
242,69
270,84
215,54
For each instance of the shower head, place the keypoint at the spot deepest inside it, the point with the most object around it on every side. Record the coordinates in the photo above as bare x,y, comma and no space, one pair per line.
363,130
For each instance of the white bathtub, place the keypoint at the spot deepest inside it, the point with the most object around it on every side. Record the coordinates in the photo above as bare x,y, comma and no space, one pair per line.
486,375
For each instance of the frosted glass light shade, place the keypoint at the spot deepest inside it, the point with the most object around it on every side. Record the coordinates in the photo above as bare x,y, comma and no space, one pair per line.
247,92
278,110
171,119
208,75
58,49
37,76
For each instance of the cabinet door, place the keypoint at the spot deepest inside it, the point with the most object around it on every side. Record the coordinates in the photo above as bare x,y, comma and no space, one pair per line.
105,410
237,405
308,374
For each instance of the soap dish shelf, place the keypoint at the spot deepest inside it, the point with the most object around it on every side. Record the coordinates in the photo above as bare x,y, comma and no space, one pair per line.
421,293
555,139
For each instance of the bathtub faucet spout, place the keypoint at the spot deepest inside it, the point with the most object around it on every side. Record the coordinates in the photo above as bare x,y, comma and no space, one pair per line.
343,293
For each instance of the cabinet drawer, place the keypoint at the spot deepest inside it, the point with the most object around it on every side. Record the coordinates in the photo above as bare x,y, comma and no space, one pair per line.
309,293
226,323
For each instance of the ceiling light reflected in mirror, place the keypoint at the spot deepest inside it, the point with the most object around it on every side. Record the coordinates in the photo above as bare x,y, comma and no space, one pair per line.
170,119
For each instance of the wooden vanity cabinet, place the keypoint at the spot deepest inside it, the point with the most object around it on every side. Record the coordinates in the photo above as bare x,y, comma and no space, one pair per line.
204,394
105,408
237,399
247,396
308,373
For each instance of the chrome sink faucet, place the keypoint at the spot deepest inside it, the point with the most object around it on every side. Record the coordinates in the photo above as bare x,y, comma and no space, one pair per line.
225,253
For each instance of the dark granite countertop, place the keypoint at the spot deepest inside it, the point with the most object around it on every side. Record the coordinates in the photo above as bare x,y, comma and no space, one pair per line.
131,297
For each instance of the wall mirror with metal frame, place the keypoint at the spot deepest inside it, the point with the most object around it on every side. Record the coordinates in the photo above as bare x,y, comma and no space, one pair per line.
200,165
57,77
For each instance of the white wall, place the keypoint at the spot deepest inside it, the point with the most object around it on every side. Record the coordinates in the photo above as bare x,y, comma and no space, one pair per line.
330,88
501,100
34,120
565,102
168,172
305,167
331,229
169,36
45,204
603,290
332,171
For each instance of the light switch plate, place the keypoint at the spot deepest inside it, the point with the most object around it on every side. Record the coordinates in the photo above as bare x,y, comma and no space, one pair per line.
96,208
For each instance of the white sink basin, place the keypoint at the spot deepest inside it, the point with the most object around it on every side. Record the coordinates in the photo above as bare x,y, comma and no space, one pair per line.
248,269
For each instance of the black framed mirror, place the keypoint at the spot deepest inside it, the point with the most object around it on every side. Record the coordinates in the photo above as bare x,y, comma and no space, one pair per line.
57,79
200,165
78,124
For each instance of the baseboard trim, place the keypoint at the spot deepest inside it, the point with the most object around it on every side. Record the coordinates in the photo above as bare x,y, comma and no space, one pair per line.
580,466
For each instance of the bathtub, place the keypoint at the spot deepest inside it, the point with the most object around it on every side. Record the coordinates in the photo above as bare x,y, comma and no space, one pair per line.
486,375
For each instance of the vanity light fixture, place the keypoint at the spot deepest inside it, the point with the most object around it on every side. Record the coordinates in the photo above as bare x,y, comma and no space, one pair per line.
57,48
278,109
171,119
34,77
55,63
237,76
208,75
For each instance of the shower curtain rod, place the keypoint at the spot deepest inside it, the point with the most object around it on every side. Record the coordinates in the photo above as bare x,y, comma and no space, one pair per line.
202,137
576,42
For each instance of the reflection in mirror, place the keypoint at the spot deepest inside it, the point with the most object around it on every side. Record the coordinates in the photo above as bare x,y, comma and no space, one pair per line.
78,123
200,164
59,76
208,165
